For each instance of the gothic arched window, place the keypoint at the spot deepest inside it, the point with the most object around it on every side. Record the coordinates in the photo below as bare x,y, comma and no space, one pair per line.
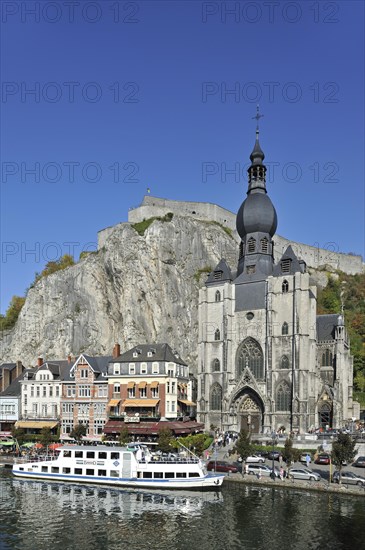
285,329
217,334
216,365
250,355
284,362
285,287
283,397
217,296
327,358
251,245
216,397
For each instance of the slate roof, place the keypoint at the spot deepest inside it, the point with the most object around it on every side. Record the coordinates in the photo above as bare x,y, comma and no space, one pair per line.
295,264
99,364
14,390
326,325
58,367
224,269
161,352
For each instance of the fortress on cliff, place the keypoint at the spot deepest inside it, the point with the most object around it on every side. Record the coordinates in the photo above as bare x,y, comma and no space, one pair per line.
314,257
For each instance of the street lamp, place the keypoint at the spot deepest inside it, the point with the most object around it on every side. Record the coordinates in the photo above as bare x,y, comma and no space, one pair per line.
273,436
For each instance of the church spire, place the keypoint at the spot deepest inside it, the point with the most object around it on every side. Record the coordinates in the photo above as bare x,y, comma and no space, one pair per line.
257,170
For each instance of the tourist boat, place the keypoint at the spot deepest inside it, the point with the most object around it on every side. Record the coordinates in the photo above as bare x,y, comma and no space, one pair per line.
119,466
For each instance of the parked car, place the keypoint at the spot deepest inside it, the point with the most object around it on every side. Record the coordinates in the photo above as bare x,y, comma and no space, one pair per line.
255,458
221,466
304,474
349,478
323,458
261,469
273,455
360,462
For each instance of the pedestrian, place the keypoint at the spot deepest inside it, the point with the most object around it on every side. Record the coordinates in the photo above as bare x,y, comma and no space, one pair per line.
281,460
307,459
246,468
281,473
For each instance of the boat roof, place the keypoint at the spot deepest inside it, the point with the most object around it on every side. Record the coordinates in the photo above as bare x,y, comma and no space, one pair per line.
92,448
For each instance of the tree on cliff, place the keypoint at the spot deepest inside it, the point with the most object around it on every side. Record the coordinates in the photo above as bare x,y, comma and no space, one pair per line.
12,313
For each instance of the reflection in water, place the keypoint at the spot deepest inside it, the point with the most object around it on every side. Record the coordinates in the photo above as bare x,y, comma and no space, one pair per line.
36,515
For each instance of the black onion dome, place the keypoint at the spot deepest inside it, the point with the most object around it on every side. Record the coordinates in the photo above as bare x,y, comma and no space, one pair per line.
257,155
256,214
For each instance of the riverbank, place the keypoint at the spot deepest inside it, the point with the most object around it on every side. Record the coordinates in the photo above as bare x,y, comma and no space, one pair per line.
316,486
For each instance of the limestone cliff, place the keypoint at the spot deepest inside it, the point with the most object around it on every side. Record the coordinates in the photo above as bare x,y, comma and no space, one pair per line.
135,289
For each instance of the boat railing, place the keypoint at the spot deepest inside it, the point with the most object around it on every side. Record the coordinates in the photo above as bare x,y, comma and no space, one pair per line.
28,458
170,461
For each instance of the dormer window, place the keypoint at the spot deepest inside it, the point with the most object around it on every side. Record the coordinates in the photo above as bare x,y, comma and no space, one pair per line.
285,287
116,369
251,245
218,275
285,266
135,354
149,354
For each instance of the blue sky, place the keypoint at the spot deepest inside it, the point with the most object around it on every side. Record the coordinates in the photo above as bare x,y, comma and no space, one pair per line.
130,95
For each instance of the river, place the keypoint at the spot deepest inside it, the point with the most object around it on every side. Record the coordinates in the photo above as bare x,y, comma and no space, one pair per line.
35,515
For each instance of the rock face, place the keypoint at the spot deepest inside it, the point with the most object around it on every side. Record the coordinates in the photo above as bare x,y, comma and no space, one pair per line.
135,289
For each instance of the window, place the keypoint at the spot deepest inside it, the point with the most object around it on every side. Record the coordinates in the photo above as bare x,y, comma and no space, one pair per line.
89,472
116,388
102,455
285,266
67,454
173,385
90,454
132,368
180,474
79,454
71,391
327,358
102,473
216,397
147,475
169,475
51,391
132,392
250,269
103,390
38,391
44,391
35,409
143,392
67,407
66,470
283,397
143,368
78,471
55,469
114,473
116,368
285,329
285,287
250,355
57,391
44,468
218,275
284,362
216,366
251,245
98,426
217,334
114,456
217,296
83,373
155,368
84,391
154,392
172,406
31,391
264,245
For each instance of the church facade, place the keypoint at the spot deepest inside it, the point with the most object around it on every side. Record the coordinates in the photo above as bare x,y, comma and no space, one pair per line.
267,361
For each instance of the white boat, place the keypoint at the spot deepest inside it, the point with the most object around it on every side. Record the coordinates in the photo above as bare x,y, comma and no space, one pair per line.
119,466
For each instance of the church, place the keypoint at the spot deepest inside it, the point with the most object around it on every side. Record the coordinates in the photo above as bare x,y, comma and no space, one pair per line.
266,360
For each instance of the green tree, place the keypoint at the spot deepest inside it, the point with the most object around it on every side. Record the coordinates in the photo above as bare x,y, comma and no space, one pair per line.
290,454
46,437
343,450
243,445
78,432
52,267
164,440
19,435
124,436
12,313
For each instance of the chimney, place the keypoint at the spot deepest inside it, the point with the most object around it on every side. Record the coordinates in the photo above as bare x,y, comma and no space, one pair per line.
69,359
116,350
40,361
18,369
5,383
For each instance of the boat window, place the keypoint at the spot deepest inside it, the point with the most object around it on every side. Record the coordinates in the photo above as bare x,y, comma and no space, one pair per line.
114,456
44,468
90,454
102,473
89,472
67,454
21,468
180,474
79,454
169,475
158,475
147,475
66,470
194,474
78,471
102,454
55,469
114,473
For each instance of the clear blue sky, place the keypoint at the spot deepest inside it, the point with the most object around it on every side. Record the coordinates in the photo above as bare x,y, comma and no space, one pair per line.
145,89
